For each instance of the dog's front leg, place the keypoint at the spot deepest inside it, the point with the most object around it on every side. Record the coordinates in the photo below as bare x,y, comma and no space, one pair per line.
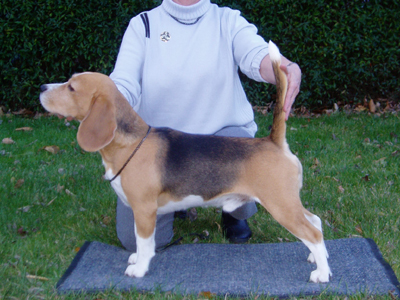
140,261
145,246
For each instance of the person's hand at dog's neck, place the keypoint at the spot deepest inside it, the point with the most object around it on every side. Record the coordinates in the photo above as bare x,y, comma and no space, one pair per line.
186,2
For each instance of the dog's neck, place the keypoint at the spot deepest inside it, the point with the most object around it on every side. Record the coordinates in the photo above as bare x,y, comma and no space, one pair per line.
130,128
129,123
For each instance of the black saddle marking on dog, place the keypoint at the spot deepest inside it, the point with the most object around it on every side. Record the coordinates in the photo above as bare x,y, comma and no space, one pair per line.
200,165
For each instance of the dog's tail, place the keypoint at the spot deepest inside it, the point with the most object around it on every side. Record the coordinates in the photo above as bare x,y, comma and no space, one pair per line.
278,131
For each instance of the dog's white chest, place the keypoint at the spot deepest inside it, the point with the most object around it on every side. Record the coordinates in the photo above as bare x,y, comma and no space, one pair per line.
116,185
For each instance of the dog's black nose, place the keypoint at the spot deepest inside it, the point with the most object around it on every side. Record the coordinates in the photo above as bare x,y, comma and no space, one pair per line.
43,88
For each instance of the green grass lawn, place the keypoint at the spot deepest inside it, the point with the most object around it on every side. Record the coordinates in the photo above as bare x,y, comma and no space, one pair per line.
52,203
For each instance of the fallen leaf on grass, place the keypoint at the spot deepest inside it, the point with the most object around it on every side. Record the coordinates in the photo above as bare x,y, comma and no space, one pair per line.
69,193
24,129
359,229
7,141
24,208
263,109
366,177
316,163
52,149
77,249
19,183
333,178
334,229
372,106
51,201
219,227
21,231
327,111
335,107
24,112
37,277
341,189
359,108
388,108
381,160
106,220
192,214
207,295
59,188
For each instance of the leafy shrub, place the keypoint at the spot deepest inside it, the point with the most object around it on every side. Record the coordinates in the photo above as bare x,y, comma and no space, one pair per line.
347,49
49,40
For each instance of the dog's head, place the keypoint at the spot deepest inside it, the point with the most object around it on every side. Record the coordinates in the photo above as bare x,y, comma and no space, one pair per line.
89,98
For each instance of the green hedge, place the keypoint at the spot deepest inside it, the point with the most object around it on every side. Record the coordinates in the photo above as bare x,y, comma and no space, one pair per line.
347,49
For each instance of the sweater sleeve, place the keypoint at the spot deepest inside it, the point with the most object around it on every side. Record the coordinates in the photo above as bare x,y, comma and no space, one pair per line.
128,70
249,48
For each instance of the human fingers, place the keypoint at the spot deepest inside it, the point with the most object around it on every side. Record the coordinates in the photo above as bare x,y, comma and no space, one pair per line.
293,73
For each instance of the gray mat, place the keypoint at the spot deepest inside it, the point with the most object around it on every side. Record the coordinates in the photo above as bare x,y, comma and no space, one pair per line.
238,270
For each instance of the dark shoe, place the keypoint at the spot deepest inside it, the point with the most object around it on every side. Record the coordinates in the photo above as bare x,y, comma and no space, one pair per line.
236,231
180,214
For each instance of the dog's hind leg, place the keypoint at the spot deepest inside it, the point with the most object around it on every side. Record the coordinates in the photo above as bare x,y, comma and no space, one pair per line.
306,227
319,254
309,231
145,224
316,221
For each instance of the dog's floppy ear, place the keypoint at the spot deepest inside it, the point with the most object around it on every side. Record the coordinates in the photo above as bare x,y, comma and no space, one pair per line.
97,128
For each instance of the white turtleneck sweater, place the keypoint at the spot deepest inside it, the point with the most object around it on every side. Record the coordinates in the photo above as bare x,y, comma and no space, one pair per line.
185,75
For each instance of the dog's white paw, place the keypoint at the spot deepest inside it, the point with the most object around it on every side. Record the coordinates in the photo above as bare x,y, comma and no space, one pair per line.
320,277
311,258
135,271
132,259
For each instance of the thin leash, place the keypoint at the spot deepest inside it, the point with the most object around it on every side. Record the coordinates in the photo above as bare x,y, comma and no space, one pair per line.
177,241
130,157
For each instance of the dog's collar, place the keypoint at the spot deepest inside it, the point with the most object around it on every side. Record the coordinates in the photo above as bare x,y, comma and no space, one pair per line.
133,153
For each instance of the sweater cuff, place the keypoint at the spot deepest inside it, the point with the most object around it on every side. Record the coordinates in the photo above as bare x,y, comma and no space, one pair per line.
256,63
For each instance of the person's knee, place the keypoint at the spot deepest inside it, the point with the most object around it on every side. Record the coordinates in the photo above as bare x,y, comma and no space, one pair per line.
164,230
126,228
245,211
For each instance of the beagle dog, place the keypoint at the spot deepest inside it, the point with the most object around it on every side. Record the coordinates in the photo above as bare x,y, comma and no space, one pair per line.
160,170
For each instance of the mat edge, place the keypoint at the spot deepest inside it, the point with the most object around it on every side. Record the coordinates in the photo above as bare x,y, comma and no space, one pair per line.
73,264
388,269
373,246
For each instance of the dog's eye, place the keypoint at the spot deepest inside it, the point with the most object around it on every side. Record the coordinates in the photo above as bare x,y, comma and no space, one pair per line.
71,88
